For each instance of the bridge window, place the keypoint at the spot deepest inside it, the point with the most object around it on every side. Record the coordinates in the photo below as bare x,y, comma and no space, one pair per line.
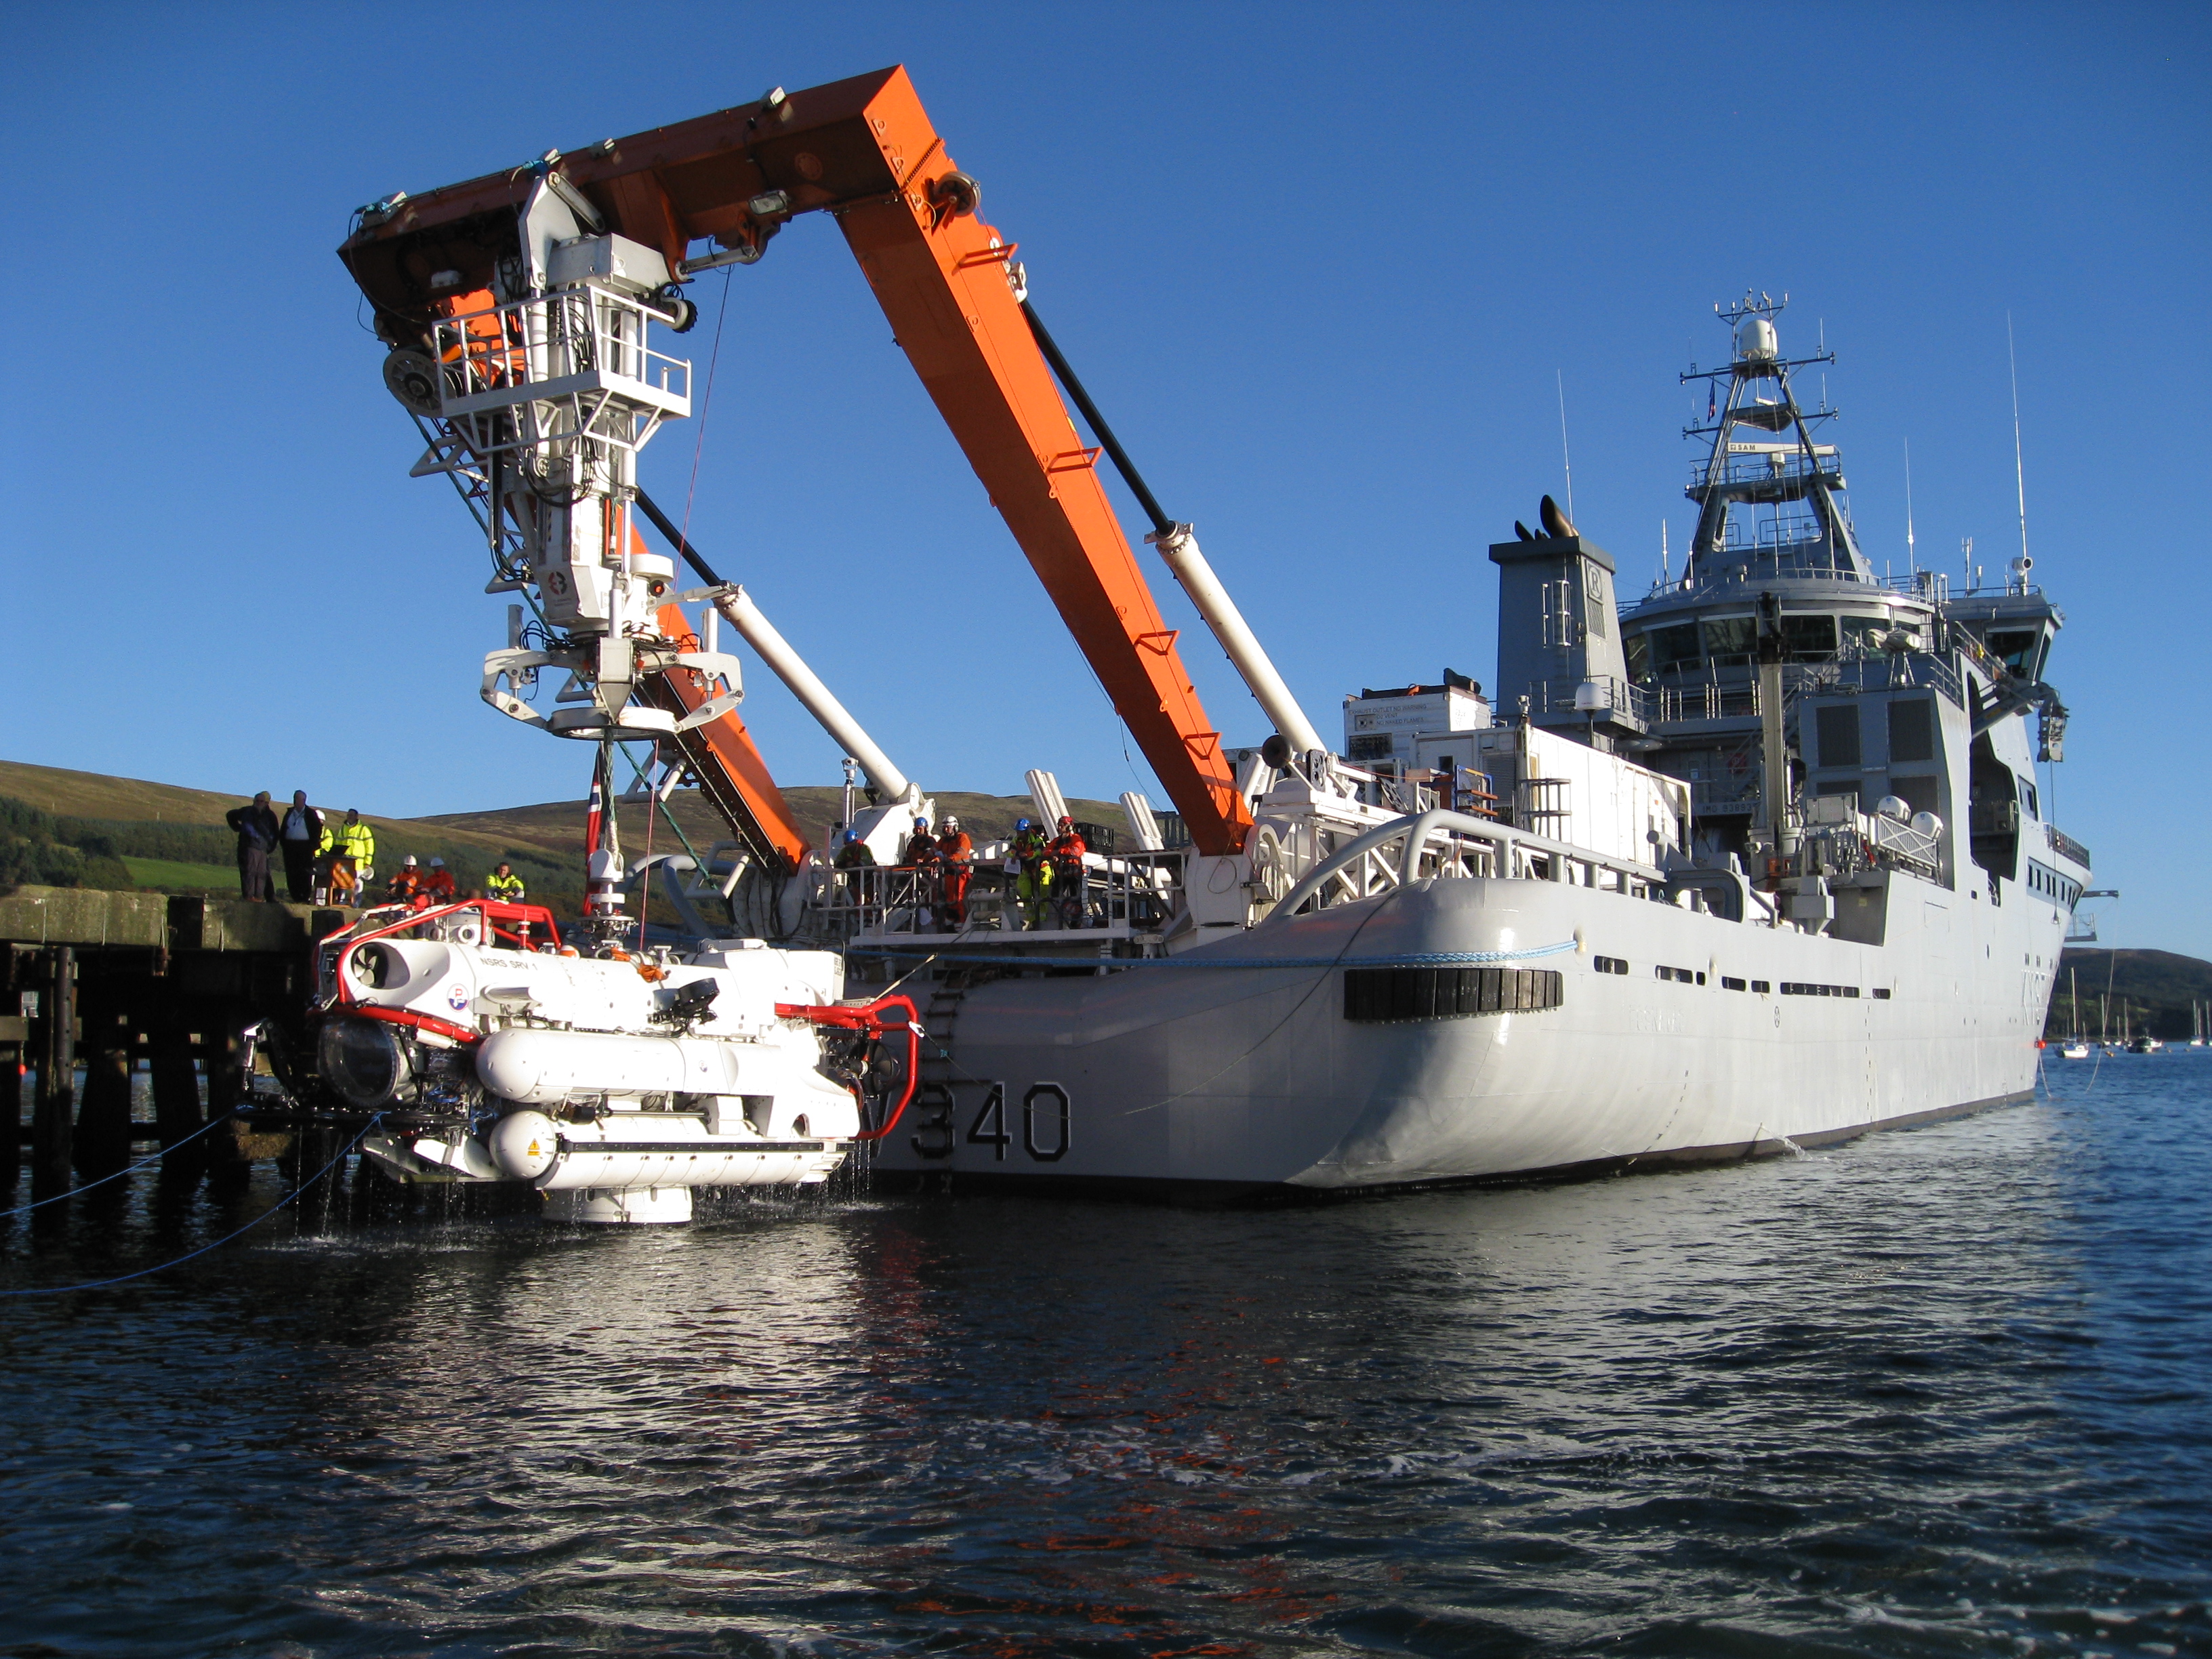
1730,641
1675,650
1866,632
1808,638
2016,650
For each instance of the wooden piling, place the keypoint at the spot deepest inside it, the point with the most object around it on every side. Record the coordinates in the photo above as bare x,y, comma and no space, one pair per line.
103,1117
15,1055
53,1103
176,1084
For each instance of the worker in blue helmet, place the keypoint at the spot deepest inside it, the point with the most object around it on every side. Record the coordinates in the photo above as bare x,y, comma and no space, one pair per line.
1032,872
854,854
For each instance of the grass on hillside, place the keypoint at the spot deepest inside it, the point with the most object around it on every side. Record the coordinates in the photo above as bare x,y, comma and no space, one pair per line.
174,876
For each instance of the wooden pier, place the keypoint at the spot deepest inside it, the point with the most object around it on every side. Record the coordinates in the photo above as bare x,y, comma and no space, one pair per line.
116,980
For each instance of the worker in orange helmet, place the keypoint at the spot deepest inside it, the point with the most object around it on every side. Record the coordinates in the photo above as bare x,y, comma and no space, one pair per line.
1067,850
438,883
953,851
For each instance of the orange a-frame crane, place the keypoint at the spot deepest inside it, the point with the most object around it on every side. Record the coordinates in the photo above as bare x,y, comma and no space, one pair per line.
864,151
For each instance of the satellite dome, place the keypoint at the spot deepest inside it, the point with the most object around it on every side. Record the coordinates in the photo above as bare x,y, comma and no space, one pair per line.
1755,342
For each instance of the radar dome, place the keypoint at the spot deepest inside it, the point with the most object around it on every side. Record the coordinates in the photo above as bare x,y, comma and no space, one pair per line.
1755,342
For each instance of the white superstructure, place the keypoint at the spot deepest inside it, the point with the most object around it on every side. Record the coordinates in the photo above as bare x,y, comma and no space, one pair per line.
1761,862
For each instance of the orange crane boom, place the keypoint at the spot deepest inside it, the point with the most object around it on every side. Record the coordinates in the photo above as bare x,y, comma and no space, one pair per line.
863,150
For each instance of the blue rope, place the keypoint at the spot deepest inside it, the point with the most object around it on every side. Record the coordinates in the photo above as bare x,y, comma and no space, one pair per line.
87,1186
125,1279
1429,959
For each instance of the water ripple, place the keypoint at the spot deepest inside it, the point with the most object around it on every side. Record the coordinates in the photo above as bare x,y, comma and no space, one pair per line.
1939,1393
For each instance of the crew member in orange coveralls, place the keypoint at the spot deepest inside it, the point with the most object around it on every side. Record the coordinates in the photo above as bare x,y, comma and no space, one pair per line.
953,847
1067,850
406,882
438,885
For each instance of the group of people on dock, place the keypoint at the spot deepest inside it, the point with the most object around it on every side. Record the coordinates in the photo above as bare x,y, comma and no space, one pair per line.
1048,873
335,863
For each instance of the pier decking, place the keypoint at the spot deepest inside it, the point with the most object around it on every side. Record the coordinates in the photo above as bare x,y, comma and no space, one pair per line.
116,980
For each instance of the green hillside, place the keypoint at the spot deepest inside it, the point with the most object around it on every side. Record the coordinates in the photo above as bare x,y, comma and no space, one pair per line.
83,829
68,828
2154,983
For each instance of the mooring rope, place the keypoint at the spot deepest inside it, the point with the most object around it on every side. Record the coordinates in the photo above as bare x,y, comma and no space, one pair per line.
87,1186
125,1279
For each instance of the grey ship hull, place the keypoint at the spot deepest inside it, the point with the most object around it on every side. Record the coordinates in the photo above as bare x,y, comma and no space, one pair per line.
1214,1084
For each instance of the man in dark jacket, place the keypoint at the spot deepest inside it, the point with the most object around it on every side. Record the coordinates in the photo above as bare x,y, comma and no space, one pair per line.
300,834
257,833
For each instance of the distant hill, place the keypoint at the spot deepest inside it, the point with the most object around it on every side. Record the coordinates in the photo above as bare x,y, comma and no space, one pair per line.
2154,983
113,832
87,828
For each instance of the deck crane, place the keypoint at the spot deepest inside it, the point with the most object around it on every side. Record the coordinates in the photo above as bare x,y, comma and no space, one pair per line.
516,307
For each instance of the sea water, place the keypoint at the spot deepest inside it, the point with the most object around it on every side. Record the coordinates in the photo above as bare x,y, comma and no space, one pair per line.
1932,1392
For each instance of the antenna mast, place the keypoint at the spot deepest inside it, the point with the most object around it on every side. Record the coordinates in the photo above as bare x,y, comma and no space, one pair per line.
1565,461
1911,562
2019,473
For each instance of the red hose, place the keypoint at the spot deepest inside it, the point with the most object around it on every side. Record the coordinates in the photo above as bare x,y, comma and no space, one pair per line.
871,1020
420,1021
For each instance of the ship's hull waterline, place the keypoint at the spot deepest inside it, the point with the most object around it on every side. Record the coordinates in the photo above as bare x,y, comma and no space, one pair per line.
1205,1083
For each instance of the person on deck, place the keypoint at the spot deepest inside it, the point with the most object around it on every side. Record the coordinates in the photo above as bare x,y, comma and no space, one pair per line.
406,882
326,858
1067,850
503,884
355,843
258,835
953,851
300,836
921,846
920,855
1032,873
854,854
438,883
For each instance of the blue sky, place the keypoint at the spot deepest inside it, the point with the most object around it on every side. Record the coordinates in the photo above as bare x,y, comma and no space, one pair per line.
1325,268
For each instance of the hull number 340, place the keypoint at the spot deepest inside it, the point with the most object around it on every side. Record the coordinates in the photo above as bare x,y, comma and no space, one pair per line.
1043,1128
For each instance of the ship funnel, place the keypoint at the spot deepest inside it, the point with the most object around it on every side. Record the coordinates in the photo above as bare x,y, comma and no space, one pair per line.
1755,341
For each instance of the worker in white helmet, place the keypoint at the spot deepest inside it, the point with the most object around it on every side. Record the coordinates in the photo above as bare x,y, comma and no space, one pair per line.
953,851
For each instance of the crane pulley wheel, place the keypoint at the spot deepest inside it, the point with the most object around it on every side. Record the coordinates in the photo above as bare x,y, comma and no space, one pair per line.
413,378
